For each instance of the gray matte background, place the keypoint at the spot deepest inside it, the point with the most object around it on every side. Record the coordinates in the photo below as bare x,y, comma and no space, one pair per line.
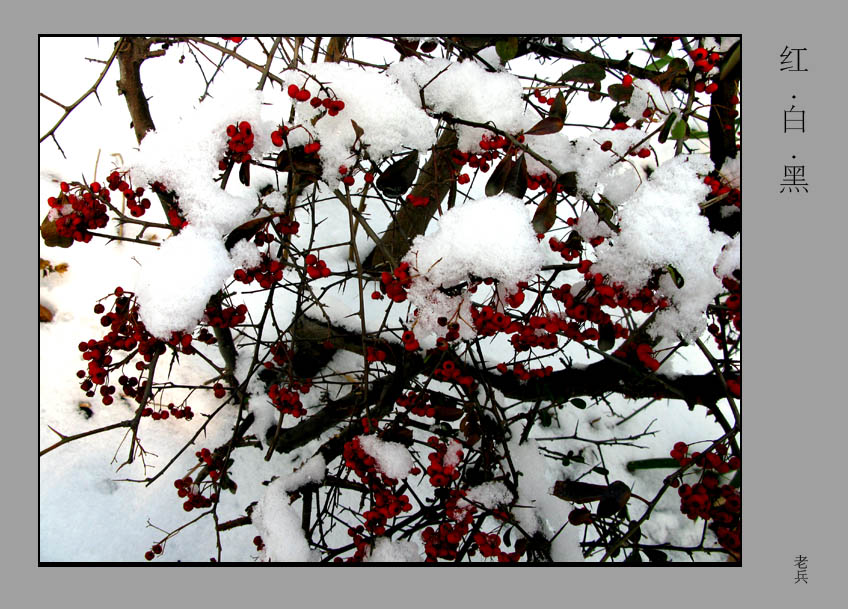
794,334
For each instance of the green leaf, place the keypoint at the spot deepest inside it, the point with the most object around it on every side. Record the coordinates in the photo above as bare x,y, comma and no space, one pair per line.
568,181
545,417
51,237
659,64
399,176
601,470
507,49
249,229
584,72
516,180
734,56
559,109
680,130
661,47
578,403
545,215
548,125
666,128
658,463
676,277
736,482
497,180
620,93
617,116
655,556
606,341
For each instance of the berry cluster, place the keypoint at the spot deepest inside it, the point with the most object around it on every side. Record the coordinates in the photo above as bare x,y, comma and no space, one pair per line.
161,415
386,502
442,343
410,343
443,542
287,400
704,60
543,181
395,284
523,374
135,203
278,136
417,403
238,146
75,215
489,322
707,499
228,317
447,371
638,352
193,495
153,552
332,106
416,201
127,333
542,99
316,268
490,545
568,253
373,354
215,465
443,462
347,178
269,271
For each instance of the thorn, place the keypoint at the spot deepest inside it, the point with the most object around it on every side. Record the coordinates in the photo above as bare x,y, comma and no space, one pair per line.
56,432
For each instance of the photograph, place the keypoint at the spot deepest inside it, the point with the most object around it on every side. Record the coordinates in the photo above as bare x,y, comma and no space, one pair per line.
331,299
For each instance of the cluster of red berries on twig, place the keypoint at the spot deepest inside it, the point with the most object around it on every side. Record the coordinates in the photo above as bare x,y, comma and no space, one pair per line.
447,371
77,214
708,499
127,333
287,399
228,317
190,491
542,99
386,501
172,411
238,146
394,284
316,268
522,373
417,201
269,271
373,354
153,552
332,106
410,343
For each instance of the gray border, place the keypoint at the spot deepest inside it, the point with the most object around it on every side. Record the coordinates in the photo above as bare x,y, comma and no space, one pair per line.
791,435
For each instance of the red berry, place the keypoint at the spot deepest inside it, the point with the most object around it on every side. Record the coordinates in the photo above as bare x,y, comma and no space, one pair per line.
627,81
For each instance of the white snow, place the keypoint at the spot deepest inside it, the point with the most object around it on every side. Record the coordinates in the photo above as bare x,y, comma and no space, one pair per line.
661,225
490,237
392,459
176,281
